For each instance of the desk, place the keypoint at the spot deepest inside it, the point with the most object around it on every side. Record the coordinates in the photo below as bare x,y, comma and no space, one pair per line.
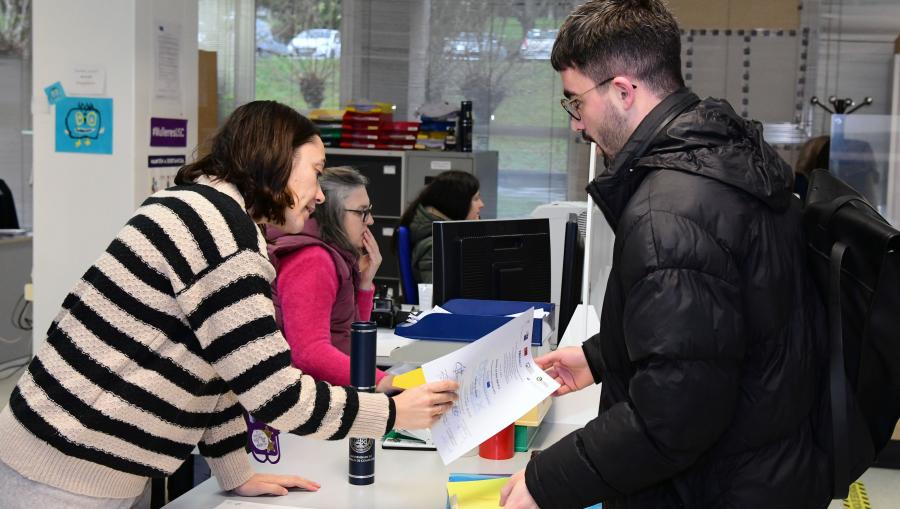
386,344
393,349
403,479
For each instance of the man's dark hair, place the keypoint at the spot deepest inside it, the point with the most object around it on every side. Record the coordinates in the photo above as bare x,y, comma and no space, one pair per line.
254,150
638,38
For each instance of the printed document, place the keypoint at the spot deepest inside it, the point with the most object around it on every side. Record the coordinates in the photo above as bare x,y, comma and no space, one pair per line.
498,383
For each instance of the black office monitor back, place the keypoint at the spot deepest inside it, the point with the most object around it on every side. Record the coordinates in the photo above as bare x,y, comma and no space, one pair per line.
573,264
497,259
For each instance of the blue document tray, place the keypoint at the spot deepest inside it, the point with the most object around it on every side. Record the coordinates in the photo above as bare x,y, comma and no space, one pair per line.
470,319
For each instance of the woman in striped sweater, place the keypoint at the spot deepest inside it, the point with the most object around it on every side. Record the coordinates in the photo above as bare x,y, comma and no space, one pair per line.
167,338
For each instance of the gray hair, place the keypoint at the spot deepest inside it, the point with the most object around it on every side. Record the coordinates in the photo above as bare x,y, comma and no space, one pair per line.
337,183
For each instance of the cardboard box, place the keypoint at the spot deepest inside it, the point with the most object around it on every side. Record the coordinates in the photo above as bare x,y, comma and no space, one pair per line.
765,14
736,14
207,98
896,435
700,13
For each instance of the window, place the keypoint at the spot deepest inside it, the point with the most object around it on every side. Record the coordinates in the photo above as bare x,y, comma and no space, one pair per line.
298,51
15,105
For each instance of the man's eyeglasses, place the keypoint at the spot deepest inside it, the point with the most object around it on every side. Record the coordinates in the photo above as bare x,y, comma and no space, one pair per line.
573,104
363,214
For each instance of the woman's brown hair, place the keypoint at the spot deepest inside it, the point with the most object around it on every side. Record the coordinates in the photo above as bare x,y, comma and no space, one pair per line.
254,150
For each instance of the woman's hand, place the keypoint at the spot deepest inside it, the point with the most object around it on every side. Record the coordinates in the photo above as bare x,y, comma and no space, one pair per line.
272,484
369,262
386,384
422,406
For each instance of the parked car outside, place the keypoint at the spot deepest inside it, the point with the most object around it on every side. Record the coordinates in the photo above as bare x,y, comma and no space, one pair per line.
317,43
473,46
538,44
266,43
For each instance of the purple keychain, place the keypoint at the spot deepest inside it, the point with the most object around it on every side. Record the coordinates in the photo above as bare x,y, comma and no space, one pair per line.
263,441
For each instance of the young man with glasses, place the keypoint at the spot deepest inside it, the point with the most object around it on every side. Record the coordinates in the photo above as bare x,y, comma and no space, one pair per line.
711,330
325,278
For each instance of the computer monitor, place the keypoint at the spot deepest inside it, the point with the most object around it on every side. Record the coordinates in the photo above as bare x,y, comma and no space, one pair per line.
599,254
572,269
505,259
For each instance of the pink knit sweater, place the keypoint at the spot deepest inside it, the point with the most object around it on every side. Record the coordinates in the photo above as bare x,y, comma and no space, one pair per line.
307,288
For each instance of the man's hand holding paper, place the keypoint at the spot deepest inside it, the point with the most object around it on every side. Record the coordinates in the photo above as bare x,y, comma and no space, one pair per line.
569,367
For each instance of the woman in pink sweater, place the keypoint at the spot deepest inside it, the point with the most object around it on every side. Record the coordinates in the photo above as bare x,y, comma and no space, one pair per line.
325,278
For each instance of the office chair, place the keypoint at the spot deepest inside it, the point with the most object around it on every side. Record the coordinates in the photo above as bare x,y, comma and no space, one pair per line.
404,254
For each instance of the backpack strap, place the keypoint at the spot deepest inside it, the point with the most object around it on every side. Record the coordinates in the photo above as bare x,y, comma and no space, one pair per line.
837,374
835,205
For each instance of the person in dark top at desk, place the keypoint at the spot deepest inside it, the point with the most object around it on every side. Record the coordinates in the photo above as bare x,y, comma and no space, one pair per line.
325,278
452,196
712,333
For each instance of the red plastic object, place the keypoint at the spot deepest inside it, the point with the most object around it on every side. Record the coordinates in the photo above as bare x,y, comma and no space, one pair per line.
500,446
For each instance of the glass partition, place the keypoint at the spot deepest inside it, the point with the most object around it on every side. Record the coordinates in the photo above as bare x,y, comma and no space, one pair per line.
860,155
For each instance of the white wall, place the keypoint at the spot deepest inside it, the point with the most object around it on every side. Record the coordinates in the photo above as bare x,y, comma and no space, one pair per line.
82,200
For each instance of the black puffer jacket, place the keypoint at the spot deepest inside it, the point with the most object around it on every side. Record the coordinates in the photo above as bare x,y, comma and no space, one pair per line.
711,329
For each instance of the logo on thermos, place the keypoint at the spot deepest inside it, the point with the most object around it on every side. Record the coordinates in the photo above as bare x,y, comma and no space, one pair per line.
360,445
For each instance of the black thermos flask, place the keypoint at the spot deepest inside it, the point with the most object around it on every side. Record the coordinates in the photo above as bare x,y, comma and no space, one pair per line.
362,376
466,124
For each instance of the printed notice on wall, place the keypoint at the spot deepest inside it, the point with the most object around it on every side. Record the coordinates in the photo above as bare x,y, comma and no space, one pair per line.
168,61
87,80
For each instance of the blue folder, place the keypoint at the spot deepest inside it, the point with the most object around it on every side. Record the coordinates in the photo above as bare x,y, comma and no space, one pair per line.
471,319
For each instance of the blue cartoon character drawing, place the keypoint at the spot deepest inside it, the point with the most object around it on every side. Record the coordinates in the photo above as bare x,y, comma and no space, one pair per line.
84,123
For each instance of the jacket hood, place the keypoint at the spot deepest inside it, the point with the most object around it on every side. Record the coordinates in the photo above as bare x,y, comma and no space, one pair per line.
713,141
420,226
706,138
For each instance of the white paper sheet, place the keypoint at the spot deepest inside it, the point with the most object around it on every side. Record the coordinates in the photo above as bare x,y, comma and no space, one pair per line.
413,318
243,504
387,342
168,61
498,383
539,314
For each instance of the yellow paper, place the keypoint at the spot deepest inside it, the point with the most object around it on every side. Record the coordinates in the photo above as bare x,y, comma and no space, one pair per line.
477,494
535,415
409,379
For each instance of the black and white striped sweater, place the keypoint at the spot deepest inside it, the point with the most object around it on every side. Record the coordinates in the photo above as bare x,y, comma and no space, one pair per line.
157,349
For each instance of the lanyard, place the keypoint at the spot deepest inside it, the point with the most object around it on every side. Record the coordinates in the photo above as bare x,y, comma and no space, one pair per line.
262,440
